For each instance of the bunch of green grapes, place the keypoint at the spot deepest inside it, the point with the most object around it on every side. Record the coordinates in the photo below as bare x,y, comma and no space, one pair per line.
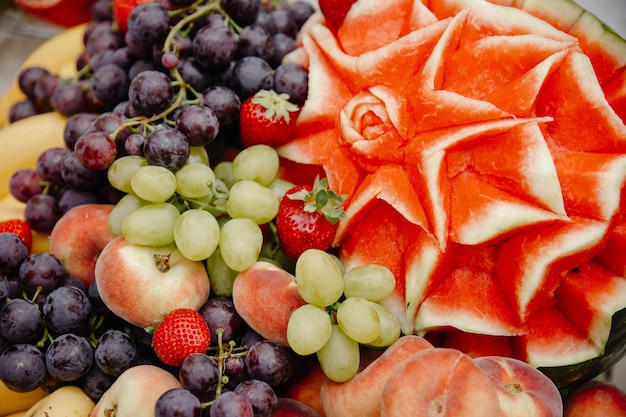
207,212
343,311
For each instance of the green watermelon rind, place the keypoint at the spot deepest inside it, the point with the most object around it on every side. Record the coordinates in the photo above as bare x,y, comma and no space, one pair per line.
569,376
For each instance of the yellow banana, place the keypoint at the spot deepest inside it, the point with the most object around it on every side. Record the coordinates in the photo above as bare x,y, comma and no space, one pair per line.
13,402
22,142
58,55
67,401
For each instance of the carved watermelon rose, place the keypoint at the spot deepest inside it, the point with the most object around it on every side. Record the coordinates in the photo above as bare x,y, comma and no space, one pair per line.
484,162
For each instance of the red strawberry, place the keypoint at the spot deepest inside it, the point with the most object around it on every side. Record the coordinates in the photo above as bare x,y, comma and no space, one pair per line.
267,117
335,11
181,332
121,12
20,228
307,218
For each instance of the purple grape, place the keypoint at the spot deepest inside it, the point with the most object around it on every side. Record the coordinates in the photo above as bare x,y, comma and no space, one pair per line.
13,252
28,77
115,352
293,80
43,89
150,92
75,126
301,11
48,164
231,404
283,44
22,367
178,402
167,147
251,74
225,104
284,22
4,292
95,383
194,74
95,150
269,362
235,370
66,310
214,47
68,99
41,271
243,12
103,39
41,212
149,22
69,357
21,110
199,124
78,176
200,374
220,313
72,197
134,144
109,84
261,396
20,321
255,40
25,183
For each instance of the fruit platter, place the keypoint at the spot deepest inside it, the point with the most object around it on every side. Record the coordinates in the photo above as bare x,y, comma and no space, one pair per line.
257,208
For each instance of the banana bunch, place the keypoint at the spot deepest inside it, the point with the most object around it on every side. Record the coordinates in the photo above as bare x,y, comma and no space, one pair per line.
12,402
58,55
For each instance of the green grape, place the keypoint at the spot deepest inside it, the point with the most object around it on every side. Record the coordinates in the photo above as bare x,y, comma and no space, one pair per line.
370,281
389,327
358,318
308,329
221,276
224,171
198,154
196,234
318,278
122,170
258,163
340,357
194,180
240,243
124,206
253,201
151,225
154,183
280,187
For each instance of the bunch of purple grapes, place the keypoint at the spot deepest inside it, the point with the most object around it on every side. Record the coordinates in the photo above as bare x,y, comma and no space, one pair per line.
173,81
55,331
53,328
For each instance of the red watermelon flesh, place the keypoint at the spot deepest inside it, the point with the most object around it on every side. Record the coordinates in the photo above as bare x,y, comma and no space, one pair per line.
551,340
479,149
612,254
588,297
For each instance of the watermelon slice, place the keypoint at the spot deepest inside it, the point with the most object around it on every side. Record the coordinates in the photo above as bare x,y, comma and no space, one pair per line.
482,147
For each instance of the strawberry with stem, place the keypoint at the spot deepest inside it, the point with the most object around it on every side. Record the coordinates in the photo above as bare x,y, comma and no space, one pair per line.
307,218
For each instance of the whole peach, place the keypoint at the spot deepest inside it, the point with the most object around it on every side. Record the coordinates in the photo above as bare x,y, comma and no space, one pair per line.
596,399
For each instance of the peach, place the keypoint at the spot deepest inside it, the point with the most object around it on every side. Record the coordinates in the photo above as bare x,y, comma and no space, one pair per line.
362,395
439,382
265,295
306,387
141,284
523,390
79,236
135,392
596,399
